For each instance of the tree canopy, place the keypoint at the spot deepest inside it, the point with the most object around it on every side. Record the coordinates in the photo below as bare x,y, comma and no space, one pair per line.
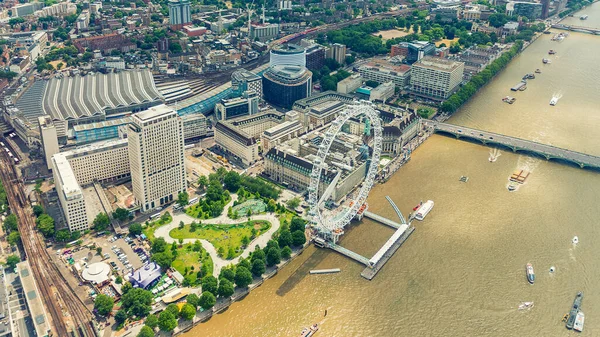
103,304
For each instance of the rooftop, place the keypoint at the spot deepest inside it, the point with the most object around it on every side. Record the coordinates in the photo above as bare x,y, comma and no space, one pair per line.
34,301
145,276
96,272
436,63
289,48
385,66
154,112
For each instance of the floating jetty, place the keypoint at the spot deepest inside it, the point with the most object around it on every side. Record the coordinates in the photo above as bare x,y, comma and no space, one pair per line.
518,86
387,251
325,271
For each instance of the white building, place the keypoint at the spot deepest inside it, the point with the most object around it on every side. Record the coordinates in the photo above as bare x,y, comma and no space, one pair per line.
49,139
195,126
383,92
436,78
280,133
382,71
349,84
156,156
103,161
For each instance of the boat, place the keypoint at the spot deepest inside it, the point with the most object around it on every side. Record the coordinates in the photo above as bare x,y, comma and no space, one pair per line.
512,186
529,76
574,310
509,100
530,273
307,332
538,71
525,305
519,85
578,326
551,52
546,61
417,207
523,88
583,17
552,269
424,210
547,32
575,240
554,100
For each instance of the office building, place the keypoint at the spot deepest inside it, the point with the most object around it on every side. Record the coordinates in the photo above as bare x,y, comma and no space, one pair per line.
98,162
195,126
349,84
400,49
49,139
382,71
285,84
531,10
292,171
337,51
419,49
243,80
264,31
156,157
280,133
436,78
545,9
237,107
315,57
179,13
288,54
95,132
236,142
383,92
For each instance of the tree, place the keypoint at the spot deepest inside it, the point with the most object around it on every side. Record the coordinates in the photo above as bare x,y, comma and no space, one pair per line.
45,224
152,321
159,245
285,238
119,280
207,300
99,250
137,301
273,256
243,277
297,224
146,332
11,223
13,238
121,214
38,210
183,198
293,203
121,316
209,283
258,254
298,238
173,308
227,273
286,252
12,260
202,182
135,229
193,299
62,235
163,259
126,287
167,321
225,288
103,305
232,180
188,312
101,222
175,47
258,267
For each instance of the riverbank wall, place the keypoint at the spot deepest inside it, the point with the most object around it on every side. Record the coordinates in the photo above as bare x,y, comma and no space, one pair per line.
223,305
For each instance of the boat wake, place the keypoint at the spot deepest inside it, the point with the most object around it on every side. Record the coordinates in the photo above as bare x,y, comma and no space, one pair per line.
494,154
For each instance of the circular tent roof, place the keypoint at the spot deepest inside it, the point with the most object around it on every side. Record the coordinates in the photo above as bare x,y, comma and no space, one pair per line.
96,272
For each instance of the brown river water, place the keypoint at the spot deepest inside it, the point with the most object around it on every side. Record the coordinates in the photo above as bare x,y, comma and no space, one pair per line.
462,272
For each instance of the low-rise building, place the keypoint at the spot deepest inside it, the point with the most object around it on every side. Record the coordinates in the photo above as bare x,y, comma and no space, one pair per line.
236,142
146,276
382,71
350,83
280,133
383,92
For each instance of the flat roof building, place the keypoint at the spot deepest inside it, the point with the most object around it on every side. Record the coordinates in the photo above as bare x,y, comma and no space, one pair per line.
33,299
382,71
436,78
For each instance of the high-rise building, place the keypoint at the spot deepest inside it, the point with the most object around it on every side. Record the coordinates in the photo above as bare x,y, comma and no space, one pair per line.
156,156
243,80
545,9
49,139
436,78
237,107
285,84
531,10
315,57
264,31
288,54
337,51
179,13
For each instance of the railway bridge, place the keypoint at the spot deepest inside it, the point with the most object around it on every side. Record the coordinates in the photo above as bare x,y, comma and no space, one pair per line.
581,29
517,144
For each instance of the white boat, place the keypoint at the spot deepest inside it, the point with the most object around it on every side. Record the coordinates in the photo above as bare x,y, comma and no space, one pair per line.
578,326
525,305
575,240
554,100
424,210
583,17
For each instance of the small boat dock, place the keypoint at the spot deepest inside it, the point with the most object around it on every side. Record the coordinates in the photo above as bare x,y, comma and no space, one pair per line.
387,251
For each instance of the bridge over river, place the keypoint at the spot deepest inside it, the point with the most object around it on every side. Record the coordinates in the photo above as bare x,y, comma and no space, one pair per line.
517,144
581,29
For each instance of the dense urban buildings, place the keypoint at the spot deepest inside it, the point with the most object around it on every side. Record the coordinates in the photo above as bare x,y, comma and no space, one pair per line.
156,157
435,78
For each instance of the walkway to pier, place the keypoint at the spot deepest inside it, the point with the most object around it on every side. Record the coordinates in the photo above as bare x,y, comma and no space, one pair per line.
347,252
381,219
517,144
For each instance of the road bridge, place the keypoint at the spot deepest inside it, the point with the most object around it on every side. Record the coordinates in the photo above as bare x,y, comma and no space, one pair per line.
581,29
517,144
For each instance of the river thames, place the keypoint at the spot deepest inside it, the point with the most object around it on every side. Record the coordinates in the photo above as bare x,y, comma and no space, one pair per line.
462,272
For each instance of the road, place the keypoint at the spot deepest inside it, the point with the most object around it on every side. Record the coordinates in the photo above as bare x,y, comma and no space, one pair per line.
219,262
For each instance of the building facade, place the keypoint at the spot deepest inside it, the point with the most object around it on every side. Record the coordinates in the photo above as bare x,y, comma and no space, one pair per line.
381,71
49,139
349,84
264,32
280,133
436,78
157,161
236,142
179,13
195,126
243,80
288,54
283,85
337,52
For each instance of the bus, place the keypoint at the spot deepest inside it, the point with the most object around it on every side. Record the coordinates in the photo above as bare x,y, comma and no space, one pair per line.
154,216
177,207
193,201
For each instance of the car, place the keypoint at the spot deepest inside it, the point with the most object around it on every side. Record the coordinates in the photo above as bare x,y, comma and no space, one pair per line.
491,137
481,134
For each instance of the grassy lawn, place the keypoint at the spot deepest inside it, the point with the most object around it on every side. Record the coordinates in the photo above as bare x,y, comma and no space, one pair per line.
196,210
151,227
227,239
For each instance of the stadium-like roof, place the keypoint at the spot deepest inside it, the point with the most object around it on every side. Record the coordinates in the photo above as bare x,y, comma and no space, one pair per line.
67,98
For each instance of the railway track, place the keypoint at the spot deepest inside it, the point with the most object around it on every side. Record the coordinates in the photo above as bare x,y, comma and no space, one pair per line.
59,298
